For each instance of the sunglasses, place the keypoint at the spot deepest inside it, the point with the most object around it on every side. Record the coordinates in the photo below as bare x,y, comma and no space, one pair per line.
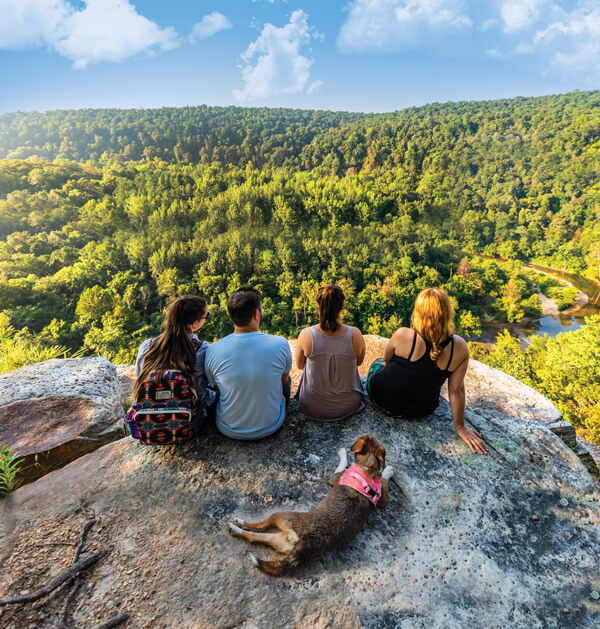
206,317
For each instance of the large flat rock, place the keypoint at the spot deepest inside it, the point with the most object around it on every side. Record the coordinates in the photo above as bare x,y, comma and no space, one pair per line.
495,390
506,540
55,411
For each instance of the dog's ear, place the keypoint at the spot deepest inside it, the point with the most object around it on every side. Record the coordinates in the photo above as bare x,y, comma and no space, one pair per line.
359,446
380,455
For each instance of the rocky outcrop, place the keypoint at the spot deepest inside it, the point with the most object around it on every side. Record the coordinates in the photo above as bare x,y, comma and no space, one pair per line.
55,411
511,539
126,378
486,388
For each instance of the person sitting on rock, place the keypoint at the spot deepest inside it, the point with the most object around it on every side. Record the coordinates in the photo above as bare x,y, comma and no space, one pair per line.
179,348
251,371
329,353
418,360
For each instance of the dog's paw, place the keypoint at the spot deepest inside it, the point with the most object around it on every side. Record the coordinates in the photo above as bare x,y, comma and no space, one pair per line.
239,522
342,453
233,529
254,560
388,472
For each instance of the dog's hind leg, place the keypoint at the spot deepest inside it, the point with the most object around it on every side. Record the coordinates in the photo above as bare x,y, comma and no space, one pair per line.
279,541
263,525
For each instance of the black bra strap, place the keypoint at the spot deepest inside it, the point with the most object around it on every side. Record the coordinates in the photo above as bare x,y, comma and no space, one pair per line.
412,349
451,352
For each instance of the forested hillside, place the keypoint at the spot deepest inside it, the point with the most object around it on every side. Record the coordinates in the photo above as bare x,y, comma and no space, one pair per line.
517,178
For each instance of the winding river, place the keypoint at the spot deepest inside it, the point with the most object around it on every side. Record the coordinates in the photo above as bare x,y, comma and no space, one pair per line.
552,325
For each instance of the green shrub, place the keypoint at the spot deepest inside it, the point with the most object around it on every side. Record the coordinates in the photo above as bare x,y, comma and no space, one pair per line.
9,468
532,306
18,349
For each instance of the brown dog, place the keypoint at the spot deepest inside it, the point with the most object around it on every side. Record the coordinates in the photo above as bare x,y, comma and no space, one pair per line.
338,518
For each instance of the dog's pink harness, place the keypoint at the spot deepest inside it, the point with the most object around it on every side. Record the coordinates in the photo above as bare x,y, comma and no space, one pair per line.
356,478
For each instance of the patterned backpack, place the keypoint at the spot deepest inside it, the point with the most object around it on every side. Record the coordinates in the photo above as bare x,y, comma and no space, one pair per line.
166,411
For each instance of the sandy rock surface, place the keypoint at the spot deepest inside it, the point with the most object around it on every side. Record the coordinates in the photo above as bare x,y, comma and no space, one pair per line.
58,410
506,540
495,390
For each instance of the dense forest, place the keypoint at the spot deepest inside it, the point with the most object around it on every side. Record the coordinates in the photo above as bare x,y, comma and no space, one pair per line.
105,215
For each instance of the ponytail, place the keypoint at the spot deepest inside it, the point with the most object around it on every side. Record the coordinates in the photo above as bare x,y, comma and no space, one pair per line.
330,300
433,318
173,349
435,351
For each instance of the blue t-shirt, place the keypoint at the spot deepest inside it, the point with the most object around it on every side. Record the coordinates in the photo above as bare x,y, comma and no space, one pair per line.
247,368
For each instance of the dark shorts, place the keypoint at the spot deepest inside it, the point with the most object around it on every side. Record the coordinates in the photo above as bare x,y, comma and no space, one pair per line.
375,367
403,411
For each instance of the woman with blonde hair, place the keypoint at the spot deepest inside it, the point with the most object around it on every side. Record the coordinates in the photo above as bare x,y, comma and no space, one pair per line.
416,363
329,354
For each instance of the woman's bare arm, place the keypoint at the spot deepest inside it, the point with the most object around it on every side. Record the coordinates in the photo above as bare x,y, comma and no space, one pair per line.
358,345
456,394
302,352
390,348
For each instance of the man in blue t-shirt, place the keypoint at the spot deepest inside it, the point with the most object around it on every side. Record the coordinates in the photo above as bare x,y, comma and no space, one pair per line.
251,370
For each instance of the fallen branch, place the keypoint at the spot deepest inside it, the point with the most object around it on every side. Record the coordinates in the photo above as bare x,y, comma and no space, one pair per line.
67,575
115,621
62,618
81,541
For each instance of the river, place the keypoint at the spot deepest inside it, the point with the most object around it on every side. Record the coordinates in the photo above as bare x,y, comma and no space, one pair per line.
552,324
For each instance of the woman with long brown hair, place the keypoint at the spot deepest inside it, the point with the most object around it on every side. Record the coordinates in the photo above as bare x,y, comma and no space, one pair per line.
416,363
178,347
329,354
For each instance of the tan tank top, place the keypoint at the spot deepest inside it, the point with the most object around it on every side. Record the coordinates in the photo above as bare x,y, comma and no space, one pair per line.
330,386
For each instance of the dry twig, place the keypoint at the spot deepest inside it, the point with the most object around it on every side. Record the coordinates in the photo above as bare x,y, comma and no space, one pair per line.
67,575
115,621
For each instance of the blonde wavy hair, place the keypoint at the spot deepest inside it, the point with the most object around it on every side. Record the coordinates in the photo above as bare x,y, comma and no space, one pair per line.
433,318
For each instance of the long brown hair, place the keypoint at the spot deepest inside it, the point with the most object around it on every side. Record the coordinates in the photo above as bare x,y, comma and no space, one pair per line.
173,348
330,300
433,318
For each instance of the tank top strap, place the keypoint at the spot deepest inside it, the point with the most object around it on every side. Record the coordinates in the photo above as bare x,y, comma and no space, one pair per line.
451,351
412,349
348,335
315,339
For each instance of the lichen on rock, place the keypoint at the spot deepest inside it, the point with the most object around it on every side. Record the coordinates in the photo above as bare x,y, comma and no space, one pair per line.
55,411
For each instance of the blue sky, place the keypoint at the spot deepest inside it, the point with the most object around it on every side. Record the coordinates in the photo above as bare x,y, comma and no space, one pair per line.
359,55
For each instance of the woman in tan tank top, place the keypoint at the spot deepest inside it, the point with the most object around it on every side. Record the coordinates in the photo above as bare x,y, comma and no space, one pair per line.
329,354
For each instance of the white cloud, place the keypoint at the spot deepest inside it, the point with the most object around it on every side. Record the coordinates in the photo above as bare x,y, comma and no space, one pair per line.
520,14
569,39
495,53
274,64
104,30
209,25
574,38
315,86
393,24
31,23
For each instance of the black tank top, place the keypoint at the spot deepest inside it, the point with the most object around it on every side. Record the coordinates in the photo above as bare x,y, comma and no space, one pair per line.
411,388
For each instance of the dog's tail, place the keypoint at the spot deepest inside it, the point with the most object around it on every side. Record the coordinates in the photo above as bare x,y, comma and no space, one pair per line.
276,567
